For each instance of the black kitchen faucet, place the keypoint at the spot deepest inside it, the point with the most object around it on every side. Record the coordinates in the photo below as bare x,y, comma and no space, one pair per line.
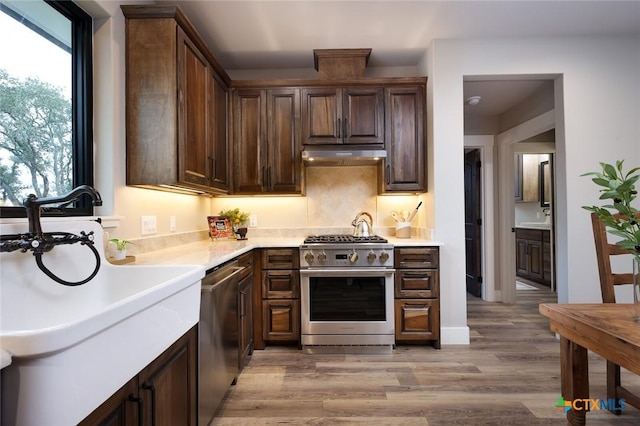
41,242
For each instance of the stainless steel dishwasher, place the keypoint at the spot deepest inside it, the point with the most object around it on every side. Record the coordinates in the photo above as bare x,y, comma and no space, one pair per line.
218,338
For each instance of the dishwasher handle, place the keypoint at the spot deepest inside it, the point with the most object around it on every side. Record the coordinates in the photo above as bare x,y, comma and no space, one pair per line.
207,288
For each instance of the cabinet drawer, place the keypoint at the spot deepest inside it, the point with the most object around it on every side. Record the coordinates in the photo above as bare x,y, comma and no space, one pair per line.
280,259
281,319
280,284
416,283
416,257
417,319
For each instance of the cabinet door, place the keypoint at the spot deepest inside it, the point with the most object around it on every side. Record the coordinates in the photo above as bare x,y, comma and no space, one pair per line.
404,167
245,318
281,319
121,409
417,319
536,266
363,116
522,258
249,140
321,112
283,173
217,133
168,385
192,115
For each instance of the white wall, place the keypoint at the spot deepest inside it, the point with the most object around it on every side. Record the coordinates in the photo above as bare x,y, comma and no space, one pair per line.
599,120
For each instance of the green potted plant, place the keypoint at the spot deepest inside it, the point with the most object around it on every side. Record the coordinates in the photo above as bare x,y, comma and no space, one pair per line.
620,217
238,221
619,187
121,248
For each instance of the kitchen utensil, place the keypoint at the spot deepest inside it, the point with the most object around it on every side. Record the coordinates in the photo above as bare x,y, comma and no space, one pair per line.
395,216
363,226
414,212
405,215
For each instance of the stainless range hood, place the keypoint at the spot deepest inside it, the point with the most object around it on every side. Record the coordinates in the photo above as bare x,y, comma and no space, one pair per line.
341,156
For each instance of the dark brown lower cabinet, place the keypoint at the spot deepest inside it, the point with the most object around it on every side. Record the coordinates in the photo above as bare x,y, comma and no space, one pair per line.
280,296
162,394
533,255
417,295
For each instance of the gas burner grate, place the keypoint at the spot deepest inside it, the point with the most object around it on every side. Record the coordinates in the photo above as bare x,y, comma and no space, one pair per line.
343,238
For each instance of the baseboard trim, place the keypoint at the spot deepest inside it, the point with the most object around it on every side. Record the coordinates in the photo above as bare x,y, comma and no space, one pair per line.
455,336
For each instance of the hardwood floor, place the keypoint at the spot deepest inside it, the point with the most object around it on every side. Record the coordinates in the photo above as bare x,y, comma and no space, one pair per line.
508,375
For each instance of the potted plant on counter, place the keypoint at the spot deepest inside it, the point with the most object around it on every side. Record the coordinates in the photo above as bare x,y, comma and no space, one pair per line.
121,248
238,221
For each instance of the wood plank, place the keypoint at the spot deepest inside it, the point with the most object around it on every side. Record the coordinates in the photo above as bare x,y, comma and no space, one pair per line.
509,374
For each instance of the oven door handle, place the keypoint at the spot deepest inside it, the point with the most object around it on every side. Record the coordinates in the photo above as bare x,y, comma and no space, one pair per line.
359,272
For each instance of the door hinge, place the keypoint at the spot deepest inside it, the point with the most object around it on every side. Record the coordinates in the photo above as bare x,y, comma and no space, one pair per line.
480,279
479,221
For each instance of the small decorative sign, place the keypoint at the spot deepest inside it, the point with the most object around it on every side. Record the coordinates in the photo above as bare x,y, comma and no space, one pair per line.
219,227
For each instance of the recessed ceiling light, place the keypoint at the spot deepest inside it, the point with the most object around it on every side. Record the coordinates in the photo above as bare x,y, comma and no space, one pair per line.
473,100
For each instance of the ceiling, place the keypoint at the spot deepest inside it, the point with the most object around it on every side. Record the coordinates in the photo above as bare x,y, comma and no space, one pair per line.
282,34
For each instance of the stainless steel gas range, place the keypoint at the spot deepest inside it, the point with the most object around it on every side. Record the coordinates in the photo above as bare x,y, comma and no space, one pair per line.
347,294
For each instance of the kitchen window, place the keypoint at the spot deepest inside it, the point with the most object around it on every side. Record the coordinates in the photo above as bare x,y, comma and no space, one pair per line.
46,113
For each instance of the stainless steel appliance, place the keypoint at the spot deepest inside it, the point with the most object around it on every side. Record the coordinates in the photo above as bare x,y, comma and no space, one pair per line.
346,285
218,337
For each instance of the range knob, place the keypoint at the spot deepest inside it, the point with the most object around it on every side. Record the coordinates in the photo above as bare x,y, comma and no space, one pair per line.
384,256
309,258
322,257
371,256
353,257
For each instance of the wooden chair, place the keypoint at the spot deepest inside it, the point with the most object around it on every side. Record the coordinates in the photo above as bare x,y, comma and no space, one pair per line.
608,281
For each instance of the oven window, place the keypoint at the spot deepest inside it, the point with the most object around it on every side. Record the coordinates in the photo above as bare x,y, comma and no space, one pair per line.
347,298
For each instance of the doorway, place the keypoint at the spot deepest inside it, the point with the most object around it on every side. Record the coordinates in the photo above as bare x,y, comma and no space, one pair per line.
532,115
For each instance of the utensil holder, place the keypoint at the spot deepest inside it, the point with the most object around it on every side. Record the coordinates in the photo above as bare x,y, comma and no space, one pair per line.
403,229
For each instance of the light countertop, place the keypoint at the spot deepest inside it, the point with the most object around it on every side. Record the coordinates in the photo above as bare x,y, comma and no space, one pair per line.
210,253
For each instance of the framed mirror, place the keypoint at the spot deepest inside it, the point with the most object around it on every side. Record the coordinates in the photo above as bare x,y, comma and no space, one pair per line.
545,184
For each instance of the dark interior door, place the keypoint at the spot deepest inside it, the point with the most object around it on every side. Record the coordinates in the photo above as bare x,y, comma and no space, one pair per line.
473,222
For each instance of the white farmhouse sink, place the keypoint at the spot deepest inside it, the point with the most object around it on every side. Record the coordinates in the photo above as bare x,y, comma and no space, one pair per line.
72,347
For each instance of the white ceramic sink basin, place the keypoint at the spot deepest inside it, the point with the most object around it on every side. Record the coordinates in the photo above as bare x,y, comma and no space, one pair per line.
72,347
536,225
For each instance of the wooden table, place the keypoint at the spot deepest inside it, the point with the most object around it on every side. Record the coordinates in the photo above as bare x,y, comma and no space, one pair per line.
607,329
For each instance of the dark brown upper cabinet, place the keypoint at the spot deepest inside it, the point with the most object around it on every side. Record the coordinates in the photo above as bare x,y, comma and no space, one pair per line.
266,141
176,103
404,169
349,116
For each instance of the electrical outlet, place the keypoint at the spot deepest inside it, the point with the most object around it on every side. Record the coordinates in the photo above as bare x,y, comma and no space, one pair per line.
148,225
172,223
253,221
